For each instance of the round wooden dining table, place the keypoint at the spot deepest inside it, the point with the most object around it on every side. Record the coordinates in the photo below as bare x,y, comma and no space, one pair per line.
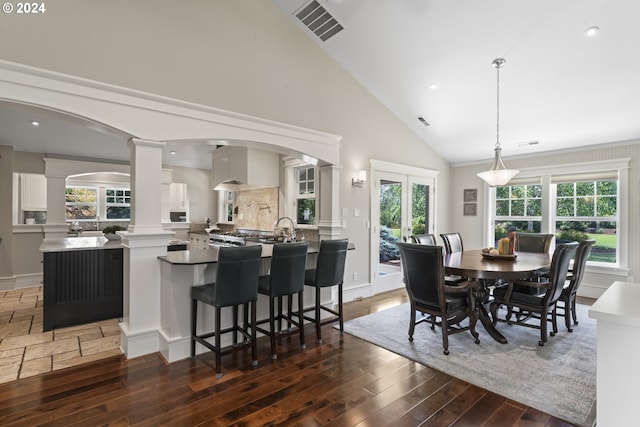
475,266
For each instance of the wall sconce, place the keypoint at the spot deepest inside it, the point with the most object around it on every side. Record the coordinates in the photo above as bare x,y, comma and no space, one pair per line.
359,181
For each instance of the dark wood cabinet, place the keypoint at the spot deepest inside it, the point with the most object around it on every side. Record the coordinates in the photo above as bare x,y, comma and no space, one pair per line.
82,286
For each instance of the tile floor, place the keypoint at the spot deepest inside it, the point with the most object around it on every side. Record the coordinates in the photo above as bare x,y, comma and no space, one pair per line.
26,351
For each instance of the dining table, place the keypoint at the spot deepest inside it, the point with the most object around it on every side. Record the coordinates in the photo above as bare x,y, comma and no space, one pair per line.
487,269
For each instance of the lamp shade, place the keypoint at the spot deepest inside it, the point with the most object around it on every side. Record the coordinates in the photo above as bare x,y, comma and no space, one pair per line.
497,177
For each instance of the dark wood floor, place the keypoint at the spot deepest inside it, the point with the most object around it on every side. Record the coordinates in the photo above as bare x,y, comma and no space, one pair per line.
342,382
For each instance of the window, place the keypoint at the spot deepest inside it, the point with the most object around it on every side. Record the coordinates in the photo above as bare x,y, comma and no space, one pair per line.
517,208
118,203
81,203
574,202
305,196
588,210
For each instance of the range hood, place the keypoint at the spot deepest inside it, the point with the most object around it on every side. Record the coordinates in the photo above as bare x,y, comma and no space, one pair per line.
241,168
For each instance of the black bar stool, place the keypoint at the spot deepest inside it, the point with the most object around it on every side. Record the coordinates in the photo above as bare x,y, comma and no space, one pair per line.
285,278
329,271
238,270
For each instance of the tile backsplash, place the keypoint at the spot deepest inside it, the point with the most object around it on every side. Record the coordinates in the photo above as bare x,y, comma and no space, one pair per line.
257,209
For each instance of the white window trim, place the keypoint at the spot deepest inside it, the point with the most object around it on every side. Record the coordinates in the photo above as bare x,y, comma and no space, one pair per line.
291,191
548,206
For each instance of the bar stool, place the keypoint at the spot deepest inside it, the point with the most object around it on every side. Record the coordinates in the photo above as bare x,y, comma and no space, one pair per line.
285,278
329,271
238,269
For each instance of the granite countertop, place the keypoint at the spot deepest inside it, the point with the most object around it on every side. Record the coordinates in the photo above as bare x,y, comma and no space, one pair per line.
78,243
195,256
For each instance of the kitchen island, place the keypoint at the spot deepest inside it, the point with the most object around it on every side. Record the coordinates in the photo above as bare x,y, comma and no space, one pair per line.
182,270
83,279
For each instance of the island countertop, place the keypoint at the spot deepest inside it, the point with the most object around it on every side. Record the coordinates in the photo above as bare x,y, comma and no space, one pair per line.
78,244
194,257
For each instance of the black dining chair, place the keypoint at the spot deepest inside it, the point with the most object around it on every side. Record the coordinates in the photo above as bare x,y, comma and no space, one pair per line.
329,271
452,242
424,239
533,242
538,306
574,278
428,292
285,278
237,273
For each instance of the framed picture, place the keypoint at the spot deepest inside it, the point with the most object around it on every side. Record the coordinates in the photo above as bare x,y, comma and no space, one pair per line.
470,209
470,195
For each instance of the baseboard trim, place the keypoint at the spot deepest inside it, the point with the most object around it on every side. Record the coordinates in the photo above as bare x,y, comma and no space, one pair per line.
20,281
134,344
357,292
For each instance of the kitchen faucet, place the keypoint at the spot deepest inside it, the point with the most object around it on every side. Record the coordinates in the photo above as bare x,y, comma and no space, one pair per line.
292,234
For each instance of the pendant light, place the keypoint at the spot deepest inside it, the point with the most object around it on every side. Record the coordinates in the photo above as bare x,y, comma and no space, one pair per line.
498,174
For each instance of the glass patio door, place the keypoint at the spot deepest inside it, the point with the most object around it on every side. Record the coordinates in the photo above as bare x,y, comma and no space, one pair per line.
401,207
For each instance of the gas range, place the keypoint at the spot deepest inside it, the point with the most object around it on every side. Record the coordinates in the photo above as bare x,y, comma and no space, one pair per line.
238,237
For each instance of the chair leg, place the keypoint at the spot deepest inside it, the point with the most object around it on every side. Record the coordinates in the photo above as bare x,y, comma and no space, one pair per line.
280,314
412,321
573,311
254,343
473,319
317,316
300,317
445,335
235,325
272,326
245,313
568,312
194,318
340,309
217,341
290,308
543,330
554,320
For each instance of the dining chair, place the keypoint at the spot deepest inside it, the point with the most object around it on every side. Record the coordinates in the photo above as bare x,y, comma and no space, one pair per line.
285,278
423,239
574,278
452,242
329,271
536,243
533,242
539,306
429,294
237,273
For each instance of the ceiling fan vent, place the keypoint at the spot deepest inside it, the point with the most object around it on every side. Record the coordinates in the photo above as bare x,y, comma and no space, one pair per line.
319,21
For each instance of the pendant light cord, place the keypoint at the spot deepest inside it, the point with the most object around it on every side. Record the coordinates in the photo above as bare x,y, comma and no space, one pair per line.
498,65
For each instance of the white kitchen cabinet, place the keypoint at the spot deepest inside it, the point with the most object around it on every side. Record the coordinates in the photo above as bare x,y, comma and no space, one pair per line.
243,168
178,197
33,195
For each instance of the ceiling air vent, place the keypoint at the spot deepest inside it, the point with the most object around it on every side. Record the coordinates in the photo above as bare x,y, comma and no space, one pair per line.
319,21
423,121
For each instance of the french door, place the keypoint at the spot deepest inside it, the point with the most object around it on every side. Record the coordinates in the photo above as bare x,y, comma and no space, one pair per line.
402,205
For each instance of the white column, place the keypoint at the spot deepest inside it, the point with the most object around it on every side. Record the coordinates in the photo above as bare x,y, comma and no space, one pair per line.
329,225
167,177
56,225
143,242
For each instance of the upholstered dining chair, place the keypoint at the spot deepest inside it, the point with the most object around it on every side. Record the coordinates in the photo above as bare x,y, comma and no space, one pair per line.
237,273
452,242
285,278
538,306
574,278
424,239
329,272
430,295
533,242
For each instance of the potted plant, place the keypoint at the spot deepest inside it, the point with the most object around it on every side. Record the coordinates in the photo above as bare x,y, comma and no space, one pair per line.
110,232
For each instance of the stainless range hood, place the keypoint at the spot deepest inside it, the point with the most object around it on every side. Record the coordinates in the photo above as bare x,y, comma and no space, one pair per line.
241,168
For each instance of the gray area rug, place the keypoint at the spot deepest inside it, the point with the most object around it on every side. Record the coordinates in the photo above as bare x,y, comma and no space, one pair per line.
558,379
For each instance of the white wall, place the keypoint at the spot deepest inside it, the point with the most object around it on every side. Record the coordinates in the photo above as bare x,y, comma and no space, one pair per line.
471,226
240,55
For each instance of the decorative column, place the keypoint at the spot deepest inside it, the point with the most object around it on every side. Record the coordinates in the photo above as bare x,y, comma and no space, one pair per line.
56,174
329,225
143,242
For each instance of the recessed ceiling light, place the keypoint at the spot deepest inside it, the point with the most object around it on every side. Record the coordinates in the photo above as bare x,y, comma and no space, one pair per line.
433,86
591,31
172,153
34,123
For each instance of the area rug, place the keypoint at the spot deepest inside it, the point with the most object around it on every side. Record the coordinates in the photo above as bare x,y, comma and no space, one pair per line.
558,379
